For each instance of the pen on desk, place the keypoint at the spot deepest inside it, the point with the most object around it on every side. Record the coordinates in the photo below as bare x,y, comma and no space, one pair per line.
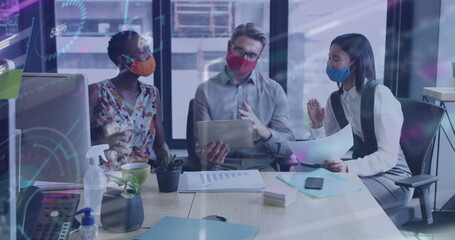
312,165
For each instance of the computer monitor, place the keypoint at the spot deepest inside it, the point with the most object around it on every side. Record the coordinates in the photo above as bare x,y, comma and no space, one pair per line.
7,170
53,117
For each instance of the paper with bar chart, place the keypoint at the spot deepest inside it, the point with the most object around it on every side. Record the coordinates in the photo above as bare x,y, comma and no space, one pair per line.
222,181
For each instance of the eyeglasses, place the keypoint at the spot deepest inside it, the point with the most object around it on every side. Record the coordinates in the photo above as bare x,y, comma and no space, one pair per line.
242,53
128,60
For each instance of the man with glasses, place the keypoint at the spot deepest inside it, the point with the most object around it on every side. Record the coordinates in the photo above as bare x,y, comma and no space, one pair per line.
240,92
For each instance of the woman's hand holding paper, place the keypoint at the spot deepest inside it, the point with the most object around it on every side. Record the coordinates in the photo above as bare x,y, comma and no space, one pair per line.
335,165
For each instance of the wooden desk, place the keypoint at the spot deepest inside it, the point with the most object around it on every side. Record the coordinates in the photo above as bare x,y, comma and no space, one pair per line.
354,216
440,93
156,206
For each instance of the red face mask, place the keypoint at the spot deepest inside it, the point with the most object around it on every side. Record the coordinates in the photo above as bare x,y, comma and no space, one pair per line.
239,65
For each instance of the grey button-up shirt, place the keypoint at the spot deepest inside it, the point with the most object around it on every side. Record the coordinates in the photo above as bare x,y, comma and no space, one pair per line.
220,99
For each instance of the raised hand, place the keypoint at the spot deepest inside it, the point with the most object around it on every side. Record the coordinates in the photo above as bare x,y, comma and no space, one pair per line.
258,127
316,113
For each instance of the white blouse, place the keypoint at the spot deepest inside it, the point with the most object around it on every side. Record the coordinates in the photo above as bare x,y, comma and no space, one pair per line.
388,119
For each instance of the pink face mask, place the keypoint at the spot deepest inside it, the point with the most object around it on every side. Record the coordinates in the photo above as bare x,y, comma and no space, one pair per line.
238,64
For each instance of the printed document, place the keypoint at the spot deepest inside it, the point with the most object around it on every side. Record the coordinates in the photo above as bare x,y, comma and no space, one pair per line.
316,151
222,181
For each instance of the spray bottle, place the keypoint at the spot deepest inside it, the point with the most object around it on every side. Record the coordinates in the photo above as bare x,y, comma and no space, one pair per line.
94,178
88,229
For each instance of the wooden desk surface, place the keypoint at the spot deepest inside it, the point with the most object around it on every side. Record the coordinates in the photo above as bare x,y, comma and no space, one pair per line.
156,206
440,93
354,216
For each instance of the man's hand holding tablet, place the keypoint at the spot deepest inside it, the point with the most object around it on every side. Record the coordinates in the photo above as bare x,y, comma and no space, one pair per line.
218,137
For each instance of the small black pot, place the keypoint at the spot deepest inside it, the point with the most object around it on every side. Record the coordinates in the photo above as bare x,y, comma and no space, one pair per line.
119,214
168,181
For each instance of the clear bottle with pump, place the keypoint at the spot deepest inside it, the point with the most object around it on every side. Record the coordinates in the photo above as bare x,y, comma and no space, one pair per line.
88,229
94,178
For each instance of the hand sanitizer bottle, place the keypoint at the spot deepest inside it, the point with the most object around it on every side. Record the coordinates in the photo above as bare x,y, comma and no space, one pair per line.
94,178
88,230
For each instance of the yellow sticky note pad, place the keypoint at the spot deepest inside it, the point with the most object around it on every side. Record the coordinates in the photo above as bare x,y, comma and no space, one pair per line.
10,82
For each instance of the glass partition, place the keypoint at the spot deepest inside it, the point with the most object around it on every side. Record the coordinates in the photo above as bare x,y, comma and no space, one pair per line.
312,26
83,30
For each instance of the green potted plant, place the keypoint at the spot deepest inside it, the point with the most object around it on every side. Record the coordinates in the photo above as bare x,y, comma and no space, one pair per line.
122,210
168,174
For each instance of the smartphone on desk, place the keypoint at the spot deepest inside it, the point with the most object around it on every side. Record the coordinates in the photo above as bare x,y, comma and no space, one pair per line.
314,183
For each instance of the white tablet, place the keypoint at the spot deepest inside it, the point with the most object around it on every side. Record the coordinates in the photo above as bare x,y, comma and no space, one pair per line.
236,133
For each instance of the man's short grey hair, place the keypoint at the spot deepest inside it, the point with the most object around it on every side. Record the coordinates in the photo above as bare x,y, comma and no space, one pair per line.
250,30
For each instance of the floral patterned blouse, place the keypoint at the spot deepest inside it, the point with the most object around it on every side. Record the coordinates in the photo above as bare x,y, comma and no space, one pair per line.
111,114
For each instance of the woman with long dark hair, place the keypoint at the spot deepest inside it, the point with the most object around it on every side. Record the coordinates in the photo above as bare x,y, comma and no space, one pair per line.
374,114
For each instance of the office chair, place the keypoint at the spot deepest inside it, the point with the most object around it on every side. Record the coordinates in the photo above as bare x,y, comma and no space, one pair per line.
421,122
192,162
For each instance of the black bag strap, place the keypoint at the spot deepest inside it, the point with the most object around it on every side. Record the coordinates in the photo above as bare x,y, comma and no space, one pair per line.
367,111
337,108
366,107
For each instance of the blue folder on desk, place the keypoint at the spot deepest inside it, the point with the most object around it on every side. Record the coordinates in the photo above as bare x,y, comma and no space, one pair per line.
334,184
174,228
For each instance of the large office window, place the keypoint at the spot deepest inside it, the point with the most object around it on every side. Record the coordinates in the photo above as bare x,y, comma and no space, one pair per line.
83,30
446,78
200,31
312,26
